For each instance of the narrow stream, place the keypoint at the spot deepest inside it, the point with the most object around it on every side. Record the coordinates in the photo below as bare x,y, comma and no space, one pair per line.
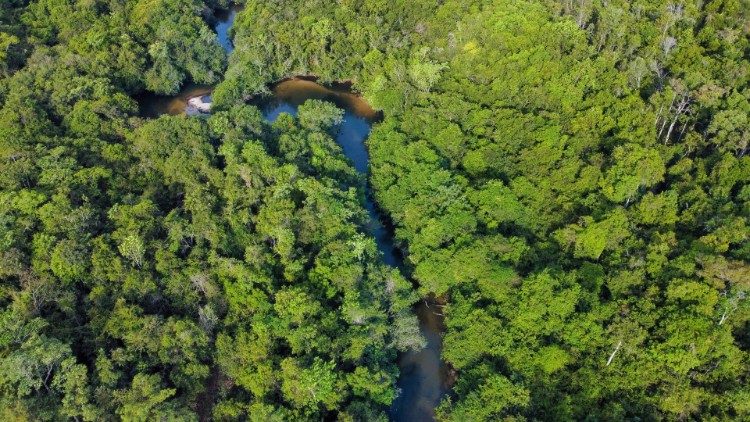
424,378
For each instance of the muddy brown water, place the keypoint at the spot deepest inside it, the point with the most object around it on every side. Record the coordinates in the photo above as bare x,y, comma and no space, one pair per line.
424,378
153,105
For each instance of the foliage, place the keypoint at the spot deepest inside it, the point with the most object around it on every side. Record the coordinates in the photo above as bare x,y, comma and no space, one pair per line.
562,173
570,177
175,268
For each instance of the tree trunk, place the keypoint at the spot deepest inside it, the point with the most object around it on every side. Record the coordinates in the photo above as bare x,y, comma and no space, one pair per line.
612,356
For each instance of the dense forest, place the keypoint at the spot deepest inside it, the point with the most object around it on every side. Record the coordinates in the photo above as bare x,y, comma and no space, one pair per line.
569,180
178,267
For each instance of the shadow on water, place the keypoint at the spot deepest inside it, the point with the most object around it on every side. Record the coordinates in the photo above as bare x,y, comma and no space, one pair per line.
224,21
351,136
154,105
424,378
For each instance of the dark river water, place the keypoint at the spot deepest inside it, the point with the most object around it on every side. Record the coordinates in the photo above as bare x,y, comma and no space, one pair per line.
424,378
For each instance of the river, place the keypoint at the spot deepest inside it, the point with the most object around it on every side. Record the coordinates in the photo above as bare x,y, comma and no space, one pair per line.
424,377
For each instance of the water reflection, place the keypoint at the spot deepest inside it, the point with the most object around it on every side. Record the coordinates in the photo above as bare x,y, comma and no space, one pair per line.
154,105
351,136
424,377
224,21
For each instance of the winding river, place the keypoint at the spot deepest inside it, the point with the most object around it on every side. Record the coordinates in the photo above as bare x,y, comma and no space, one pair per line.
424,378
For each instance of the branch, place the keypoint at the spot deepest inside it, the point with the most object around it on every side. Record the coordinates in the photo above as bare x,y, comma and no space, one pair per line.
612,356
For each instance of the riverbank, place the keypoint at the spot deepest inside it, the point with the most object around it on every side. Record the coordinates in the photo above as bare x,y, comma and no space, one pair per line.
424,378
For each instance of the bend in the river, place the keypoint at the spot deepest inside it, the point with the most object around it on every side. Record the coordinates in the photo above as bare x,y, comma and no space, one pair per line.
424,378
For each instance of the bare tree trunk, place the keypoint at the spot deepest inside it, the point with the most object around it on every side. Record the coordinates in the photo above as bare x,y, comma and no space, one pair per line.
669,132
658,115
682,132
612,356
682,107
664,121
723,318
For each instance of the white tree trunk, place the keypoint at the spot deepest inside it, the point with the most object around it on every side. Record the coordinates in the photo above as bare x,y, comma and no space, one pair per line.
723,318
612,356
